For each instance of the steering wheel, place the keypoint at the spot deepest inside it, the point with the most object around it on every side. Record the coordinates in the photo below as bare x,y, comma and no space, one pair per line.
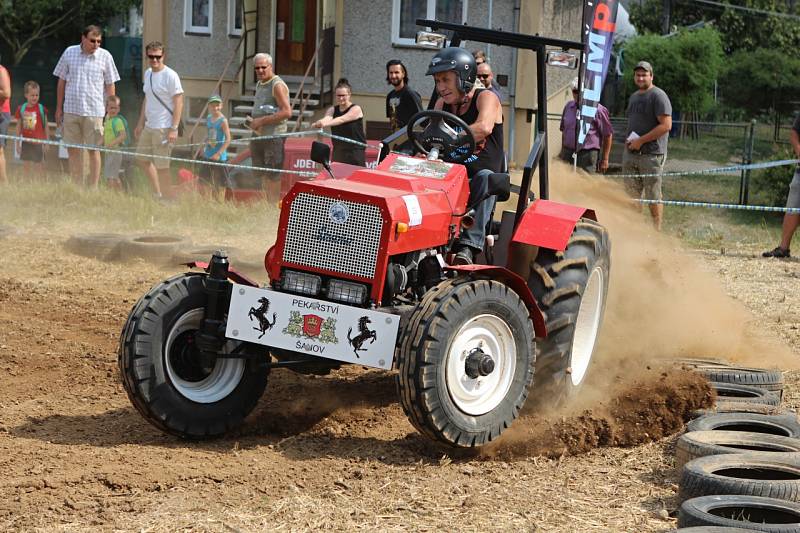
441,136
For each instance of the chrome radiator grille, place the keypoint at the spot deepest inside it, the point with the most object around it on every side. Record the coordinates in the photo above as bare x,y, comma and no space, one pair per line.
323,235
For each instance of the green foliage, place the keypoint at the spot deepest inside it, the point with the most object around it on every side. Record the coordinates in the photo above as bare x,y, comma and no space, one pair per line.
22,23
772,184
761,80
739,30
685,65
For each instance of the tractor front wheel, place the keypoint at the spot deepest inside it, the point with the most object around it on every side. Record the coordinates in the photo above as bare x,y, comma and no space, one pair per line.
166,376
571,288
466,362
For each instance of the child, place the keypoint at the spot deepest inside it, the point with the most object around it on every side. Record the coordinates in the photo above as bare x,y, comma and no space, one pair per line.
32,124
217,141
115,135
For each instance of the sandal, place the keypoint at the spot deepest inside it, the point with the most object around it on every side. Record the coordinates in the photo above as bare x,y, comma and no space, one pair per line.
777,252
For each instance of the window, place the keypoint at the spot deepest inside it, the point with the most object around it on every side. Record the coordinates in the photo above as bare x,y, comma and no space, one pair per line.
198,15
406,12
235,24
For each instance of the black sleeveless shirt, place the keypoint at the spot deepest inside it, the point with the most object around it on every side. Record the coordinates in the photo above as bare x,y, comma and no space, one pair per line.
343,151
488,153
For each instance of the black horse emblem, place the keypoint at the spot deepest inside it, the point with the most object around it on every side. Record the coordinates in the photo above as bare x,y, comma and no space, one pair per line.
261,314
364,334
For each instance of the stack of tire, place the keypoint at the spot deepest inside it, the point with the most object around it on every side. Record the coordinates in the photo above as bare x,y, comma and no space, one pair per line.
739,462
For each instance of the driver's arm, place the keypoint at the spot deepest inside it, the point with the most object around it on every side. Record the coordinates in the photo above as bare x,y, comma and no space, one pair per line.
489,110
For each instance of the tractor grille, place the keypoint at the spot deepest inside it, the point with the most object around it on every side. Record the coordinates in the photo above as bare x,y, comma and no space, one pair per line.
320,236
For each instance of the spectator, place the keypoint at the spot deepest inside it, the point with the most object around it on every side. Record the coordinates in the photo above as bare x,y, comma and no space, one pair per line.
115,136
649,122
480,56
598,139
402,102
86,74
345,120
486,77
159,118
216,146
5,118
790,220
271,110
31,124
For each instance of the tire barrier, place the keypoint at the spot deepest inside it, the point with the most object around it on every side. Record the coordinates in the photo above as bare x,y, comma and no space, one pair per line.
158,249
102,246
741,407
785,424
771,380
731,392
697,444
755,512
713,529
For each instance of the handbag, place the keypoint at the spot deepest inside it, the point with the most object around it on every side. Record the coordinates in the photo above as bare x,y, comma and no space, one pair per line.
168,108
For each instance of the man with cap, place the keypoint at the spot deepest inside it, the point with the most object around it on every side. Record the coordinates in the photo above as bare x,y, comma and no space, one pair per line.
597,140
454,72
649,122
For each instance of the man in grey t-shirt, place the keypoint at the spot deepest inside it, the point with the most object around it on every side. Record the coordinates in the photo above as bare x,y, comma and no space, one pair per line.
649,123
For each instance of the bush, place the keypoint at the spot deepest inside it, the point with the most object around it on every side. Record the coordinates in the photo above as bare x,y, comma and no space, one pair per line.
773,183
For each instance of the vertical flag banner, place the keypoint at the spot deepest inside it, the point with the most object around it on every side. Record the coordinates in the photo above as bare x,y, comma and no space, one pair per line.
599,24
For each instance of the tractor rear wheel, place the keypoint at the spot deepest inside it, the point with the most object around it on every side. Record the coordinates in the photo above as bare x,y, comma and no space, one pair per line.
571,289
164,374
466,362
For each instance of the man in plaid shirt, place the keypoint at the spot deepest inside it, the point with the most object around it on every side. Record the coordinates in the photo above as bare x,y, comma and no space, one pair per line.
86,75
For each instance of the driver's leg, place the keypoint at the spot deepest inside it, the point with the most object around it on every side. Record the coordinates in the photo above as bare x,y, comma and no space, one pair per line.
474,238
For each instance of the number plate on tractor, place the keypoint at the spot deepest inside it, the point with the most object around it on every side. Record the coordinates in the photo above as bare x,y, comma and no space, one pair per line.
311,326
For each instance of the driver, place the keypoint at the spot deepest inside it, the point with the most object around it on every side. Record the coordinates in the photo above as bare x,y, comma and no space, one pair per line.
454,72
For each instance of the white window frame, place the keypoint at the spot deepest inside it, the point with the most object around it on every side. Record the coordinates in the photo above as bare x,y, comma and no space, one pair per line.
232,29
187,18
430,15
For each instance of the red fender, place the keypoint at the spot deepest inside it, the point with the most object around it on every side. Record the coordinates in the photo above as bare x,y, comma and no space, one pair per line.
549,224
233,275
519,285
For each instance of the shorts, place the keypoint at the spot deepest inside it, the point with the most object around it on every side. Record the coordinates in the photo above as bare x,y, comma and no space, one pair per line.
83,130
33,152
112,163
152,143
268,153
648,187
214,175
587,159
5,120
351,156
793,200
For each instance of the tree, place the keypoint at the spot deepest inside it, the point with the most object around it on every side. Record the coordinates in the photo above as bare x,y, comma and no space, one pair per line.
685,65
23,22
755,80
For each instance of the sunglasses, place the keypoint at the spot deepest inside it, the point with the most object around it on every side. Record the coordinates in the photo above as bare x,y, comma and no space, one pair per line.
154,57
483,76
96,41
261,68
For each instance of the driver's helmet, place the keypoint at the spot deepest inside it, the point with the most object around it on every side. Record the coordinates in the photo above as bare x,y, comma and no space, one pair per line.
458,60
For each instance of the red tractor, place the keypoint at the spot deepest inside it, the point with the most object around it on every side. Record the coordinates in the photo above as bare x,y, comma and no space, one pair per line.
361,272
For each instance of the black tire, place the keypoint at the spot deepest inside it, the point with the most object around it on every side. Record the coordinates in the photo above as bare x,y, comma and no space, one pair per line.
694,362
703,443
165,384
771,380
741,407
785,425
754,512
102,246
559,281
713,529
156,249
436,401
730,392
772,475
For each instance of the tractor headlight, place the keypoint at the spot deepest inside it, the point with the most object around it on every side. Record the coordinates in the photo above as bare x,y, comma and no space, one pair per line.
347,291
300,282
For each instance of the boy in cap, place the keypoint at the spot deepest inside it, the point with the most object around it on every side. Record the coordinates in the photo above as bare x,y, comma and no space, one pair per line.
649,122
215,149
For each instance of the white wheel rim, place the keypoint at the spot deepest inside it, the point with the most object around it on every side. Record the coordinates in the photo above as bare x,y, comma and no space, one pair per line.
587,325
223,378
478,396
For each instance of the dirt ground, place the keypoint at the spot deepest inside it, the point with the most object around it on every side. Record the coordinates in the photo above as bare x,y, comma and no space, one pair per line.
336,452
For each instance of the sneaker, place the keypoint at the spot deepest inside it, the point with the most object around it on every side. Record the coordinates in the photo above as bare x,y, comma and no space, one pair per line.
777,252
463,256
